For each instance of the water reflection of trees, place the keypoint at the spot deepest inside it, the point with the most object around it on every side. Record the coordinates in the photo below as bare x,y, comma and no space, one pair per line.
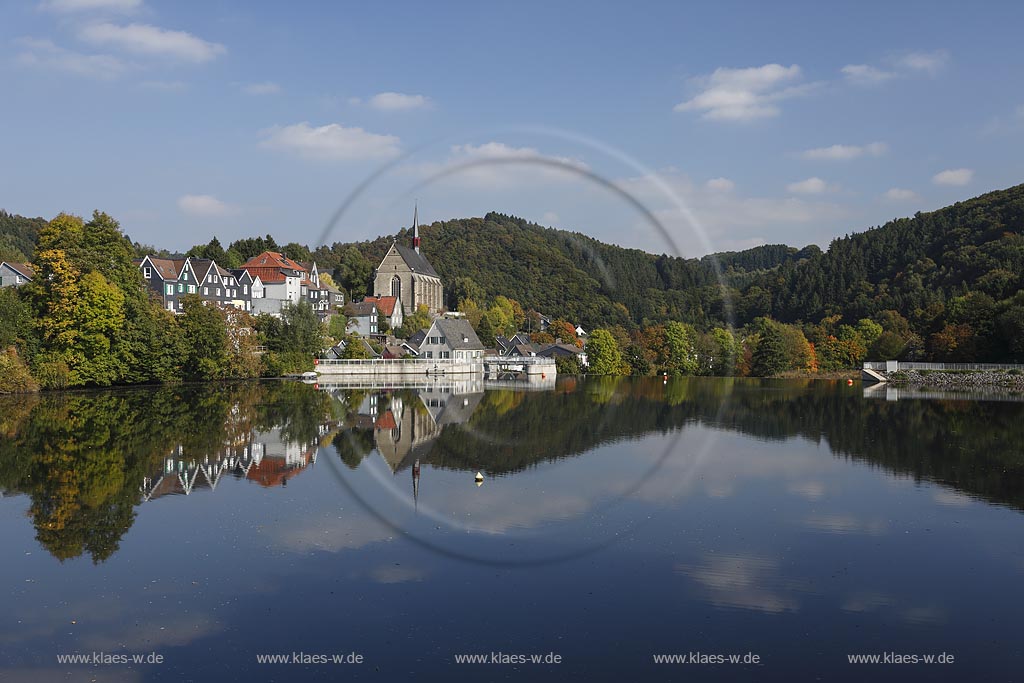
81,457
971,445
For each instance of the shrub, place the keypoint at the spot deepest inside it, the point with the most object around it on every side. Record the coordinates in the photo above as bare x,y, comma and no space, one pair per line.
14,374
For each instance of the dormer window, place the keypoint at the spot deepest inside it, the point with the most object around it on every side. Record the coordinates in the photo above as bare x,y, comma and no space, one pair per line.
147,272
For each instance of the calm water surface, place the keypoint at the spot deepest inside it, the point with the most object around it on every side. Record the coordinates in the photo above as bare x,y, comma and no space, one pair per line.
800,522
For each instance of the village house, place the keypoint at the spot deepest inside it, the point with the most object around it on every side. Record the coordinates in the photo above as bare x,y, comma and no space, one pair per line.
13,274
173,279
365,315
561,350
406,274
390,307
284,280
451,340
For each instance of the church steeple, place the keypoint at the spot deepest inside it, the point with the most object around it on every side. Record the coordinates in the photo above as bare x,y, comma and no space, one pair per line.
416,227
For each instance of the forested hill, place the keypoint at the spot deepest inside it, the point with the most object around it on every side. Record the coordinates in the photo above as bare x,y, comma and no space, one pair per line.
957,270
567,274
917,265
18,236
956,265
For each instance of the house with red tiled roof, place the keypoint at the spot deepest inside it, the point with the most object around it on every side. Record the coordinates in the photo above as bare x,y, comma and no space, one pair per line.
282,277
390,307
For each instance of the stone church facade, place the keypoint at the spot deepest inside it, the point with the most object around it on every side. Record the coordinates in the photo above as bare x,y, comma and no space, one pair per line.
404,272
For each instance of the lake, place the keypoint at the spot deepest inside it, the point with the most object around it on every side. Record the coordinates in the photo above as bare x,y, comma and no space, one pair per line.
283,531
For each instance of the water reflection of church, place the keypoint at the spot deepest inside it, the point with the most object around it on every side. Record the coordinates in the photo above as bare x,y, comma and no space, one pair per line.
405,431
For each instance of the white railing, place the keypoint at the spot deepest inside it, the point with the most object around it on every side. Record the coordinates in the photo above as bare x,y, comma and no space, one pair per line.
393,362
901,365
519,360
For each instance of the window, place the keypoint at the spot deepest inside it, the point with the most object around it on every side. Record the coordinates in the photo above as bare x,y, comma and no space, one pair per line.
169,289
245,289
191,289
181,288
396,286
445,354
170,305
442,340
147,272
184,275
206,291
218,291
430,354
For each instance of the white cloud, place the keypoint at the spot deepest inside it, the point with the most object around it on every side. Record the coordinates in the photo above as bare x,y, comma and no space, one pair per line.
928,62
45,55
953,176
730,221
905,65
744,94
332,142
720,185
152,40
468,165
68,6
265,88
813,185
396,101
845,152
864,74
205,206
166,86
899,194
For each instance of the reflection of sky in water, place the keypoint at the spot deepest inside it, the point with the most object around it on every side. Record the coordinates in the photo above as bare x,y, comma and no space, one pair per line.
771,546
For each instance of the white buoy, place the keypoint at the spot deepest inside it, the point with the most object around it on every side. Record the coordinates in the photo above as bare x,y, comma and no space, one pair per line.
479,478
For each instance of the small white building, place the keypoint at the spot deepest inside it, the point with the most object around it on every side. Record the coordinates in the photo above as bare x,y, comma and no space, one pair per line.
452,340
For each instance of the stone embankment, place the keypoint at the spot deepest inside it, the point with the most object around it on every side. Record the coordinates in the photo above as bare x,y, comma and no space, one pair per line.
958,379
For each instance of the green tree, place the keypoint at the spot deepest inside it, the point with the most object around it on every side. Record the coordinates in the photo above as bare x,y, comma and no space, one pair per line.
603,353
680,340
204,331
485,331
724,347
770,355
420,320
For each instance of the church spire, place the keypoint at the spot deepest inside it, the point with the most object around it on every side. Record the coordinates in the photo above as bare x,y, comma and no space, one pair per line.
416,227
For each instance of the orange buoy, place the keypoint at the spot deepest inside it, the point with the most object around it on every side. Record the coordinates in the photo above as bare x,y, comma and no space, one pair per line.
849,382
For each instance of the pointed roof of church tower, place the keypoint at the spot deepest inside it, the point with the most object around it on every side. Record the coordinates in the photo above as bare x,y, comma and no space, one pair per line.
416,227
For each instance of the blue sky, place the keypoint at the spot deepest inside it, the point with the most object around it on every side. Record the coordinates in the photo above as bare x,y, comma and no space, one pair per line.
735,124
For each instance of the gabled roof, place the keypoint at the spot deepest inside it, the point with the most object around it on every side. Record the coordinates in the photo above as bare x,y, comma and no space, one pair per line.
458,334
201,267
417,337
22,269
556,349
273,259
166,269
360,308
416,262
385,304
241,274
223,272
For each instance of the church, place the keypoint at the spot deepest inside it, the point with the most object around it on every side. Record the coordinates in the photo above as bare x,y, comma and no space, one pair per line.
405,273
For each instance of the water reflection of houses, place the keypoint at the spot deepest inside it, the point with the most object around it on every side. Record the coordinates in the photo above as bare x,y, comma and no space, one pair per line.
267,458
